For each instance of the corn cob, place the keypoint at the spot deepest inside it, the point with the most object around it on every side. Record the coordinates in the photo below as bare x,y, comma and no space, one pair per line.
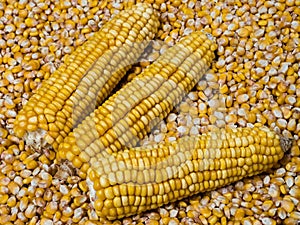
129,114
87,77
138,179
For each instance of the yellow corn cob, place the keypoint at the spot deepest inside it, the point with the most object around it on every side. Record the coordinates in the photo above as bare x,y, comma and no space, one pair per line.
135,180
135,109
87,77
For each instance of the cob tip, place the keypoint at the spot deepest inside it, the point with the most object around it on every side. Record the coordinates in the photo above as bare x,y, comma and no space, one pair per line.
36,139
286,143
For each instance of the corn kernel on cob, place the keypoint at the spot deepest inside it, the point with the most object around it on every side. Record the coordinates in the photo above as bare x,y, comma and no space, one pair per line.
138,179
87,77
129,114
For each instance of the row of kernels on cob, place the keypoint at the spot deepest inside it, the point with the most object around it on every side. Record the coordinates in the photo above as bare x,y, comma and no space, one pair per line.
127,116
139,179
87,78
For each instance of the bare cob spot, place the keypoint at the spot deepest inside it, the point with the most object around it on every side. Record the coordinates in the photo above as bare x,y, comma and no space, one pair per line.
286,143
36,139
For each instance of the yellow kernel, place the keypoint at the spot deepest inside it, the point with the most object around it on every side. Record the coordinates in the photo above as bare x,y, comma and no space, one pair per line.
243,32
30,22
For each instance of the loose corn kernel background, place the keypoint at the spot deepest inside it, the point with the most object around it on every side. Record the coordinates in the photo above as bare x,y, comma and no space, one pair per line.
254,80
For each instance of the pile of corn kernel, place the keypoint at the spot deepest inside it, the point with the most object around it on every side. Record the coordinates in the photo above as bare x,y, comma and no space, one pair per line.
255,79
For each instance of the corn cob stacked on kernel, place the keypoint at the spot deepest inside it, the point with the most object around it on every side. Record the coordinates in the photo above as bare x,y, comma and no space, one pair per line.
256,75
128,115
87,77
143,178
125,182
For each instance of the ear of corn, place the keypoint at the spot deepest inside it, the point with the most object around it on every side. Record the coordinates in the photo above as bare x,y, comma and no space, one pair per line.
135,109
135,180
87,77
